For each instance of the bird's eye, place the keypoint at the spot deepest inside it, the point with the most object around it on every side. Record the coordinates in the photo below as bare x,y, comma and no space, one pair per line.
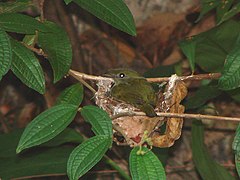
121,75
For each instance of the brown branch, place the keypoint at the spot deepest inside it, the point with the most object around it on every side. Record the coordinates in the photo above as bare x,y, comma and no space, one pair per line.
76,74
187,116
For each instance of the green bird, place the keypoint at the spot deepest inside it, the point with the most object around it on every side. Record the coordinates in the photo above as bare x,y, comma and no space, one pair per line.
133,89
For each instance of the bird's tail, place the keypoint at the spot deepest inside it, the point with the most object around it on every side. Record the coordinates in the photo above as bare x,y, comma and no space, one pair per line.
149,110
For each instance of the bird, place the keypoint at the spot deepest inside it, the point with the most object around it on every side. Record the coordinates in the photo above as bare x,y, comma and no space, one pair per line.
132,88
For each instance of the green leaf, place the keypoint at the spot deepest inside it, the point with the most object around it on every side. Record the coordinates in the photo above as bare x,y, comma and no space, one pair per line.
26,67
202,95
214,45
29,40
188,46
113,12
207,5
145,166
19,23
71,95
47,125
67,1
42,162
68,135
230,78
99,119
15,6
233,11
8,142
222,9
58,48
236,141
206,166
5,53
86,155
237,162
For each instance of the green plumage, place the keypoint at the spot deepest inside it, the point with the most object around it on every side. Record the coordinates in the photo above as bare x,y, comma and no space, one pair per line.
134,89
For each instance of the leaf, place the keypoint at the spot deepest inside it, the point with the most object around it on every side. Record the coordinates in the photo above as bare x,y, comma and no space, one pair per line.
160,71
206,166
29,40
230,78
202,95
26,67
237,162
71,95
188,46
8,142
5,53
58,48
145,166
236,141
19,23
113,12
233,11
214,45
15,6
66,136
99,119
47,125
42,162
86,155
222,9
207,5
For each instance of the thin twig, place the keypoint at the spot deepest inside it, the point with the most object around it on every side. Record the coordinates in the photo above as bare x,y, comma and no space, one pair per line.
79,78
187,116
162,79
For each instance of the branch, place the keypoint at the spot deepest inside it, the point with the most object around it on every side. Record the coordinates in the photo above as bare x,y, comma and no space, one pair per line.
186,116
76,74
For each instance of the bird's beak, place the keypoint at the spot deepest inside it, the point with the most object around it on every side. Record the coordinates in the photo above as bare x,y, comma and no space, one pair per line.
109,75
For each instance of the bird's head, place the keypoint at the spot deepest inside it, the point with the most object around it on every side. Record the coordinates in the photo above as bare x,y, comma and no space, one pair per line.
122,74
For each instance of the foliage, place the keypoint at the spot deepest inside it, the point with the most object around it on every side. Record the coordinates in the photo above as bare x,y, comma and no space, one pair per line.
216,50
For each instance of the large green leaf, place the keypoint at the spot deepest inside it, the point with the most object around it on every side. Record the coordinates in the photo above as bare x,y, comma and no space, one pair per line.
47,125
86,155
8,142
42,162
58,48
19,23
5,53
99,119
27,68
113,12
206,166
236,141
230,78
188,47
207,5
237,162
222,10
15,6
214,45
202,95
71,95
146,166
232,12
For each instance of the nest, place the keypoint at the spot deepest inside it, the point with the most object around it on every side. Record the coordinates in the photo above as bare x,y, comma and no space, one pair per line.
131,127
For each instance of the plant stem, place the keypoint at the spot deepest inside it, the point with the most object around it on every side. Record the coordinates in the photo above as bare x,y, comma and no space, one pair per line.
116,167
